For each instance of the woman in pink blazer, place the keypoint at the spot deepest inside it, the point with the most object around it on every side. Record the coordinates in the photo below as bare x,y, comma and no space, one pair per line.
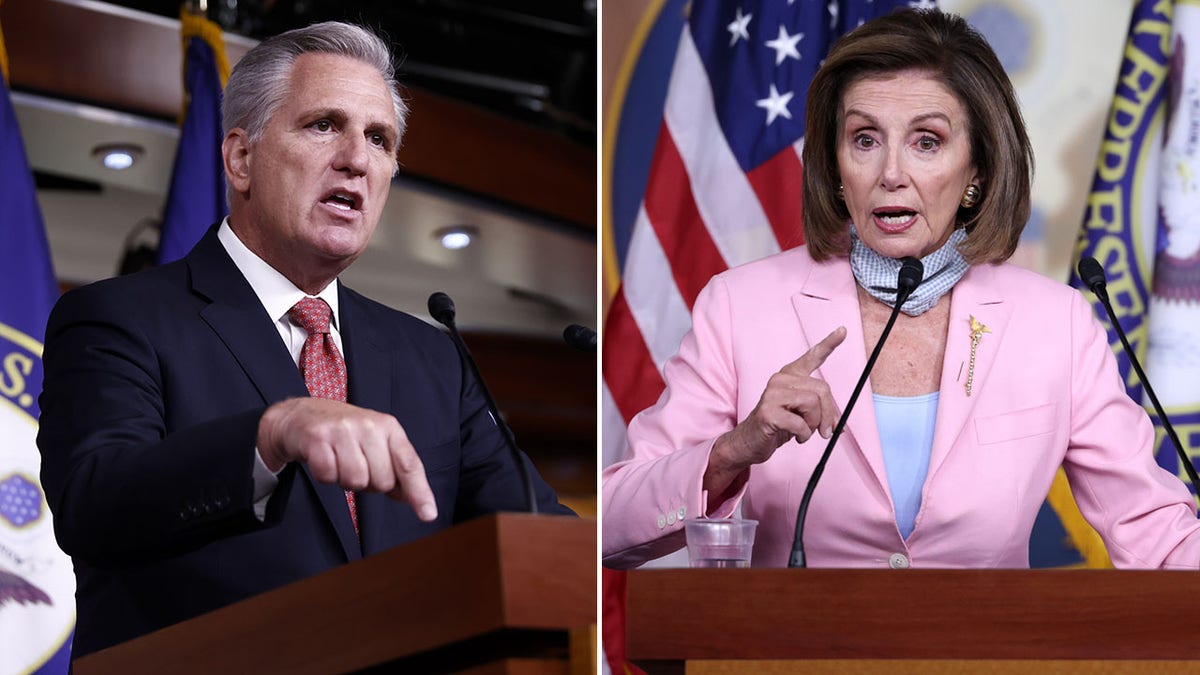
992,378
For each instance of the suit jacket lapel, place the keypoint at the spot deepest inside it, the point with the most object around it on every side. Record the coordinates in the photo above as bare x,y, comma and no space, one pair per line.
975,295
828,299
237,317
368,374
368,362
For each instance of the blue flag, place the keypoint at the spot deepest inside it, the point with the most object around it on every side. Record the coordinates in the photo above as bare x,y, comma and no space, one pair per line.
196,198
1140,220
37,583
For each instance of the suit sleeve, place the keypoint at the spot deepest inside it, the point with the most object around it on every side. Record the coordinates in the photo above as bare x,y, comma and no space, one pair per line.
660,483
1145,515
120,487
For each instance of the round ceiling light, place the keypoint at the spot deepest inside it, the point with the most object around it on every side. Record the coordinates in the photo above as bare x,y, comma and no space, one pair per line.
457,237
118,156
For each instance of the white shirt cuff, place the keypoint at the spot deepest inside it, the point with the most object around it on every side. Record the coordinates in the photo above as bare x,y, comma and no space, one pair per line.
264,485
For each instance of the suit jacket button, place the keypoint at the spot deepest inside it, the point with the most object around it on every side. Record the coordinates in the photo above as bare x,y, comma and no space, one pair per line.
671,518
662,521
898,561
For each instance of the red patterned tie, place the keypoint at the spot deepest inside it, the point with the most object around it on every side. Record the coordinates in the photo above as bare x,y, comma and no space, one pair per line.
321,363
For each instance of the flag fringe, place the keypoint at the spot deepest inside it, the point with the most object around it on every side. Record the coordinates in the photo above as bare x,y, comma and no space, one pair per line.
196,25
3,55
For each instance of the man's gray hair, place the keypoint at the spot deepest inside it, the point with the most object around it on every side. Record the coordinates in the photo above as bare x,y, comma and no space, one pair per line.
259,81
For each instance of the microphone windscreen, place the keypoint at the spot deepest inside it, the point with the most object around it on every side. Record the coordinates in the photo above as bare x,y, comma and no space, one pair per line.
580,337
1091,272
441,308
911,273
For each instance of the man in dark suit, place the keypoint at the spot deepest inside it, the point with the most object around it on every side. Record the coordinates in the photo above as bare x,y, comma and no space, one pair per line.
185,462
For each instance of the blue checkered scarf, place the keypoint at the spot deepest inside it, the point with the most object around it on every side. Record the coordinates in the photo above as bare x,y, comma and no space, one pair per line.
877,273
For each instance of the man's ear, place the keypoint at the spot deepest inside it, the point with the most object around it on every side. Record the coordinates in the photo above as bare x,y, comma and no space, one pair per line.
236,152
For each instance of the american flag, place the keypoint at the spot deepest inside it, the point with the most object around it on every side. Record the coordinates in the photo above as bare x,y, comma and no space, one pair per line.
724,180
722,187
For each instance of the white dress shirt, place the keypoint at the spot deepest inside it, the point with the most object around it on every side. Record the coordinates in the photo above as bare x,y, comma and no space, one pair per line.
277,295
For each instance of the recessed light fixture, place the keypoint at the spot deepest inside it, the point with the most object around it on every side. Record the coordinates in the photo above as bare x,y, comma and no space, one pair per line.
117,156
454,238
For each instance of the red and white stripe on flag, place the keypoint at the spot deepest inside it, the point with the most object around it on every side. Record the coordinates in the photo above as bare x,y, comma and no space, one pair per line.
724,181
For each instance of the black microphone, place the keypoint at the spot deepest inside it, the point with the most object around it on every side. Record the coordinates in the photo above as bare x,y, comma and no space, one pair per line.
1092,274
441,308
580,337
911,272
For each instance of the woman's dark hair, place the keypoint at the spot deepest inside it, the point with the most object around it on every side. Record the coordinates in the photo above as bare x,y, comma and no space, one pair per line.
949,50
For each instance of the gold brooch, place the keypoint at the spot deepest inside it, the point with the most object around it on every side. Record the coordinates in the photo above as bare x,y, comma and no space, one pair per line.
977,331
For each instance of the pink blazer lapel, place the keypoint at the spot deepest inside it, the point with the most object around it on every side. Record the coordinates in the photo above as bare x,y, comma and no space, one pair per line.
827,300
974,296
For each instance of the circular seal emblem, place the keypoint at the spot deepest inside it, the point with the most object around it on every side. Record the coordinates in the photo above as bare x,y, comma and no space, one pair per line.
37,583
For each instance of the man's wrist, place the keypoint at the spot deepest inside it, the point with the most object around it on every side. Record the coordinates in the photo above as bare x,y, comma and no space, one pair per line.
265,445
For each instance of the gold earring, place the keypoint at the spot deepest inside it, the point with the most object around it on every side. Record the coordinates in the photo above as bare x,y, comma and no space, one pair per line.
841,193
971,196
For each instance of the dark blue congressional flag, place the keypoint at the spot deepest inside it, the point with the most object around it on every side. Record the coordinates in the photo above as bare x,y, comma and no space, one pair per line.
197,194
27,286
37,585
1140,222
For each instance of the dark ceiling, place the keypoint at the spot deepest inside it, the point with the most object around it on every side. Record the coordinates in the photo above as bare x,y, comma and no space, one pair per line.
531,60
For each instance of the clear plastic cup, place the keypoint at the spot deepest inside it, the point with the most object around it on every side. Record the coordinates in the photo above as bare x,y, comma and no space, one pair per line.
720,542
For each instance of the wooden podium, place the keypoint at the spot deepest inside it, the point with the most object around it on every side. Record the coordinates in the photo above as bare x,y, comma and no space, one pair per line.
912,621
499,594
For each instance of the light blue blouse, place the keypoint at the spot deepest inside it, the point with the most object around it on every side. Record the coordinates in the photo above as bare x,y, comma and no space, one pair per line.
906,434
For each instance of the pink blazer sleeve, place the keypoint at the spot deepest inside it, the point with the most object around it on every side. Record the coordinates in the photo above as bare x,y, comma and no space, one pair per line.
649,495
1145,515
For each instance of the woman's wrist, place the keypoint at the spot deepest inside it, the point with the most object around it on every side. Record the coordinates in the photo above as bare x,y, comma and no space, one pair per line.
721,470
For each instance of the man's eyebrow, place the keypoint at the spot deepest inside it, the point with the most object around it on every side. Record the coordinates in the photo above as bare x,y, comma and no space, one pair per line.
329,111
341,114
383,125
